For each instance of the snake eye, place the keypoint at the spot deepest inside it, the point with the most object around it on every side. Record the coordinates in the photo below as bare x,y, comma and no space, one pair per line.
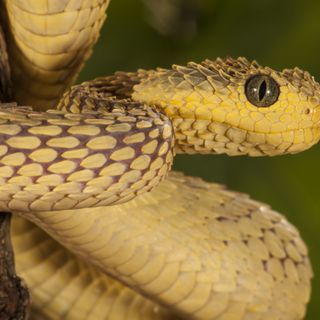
262,90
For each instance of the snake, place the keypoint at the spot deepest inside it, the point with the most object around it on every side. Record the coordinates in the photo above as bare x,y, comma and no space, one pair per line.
101,228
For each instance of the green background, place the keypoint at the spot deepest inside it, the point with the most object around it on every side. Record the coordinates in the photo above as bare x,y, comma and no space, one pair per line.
280,34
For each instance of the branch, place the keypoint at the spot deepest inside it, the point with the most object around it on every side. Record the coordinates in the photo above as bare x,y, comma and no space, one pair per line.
14,296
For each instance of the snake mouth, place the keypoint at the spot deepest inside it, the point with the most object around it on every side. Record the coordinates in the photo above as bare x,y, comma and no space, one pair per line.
298,135
280,132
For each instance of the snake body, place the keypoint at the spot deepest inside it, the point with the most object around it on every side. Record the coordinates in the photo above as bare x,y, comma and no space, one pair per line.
52,40
81,173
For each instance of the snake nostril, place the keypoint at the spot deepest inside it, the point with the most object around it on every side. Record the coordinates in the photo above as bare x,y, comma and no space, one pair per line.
307,111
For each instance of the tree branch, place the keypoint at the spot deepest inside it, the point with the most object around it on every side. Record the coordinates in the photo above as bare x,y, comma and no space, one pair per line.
14,296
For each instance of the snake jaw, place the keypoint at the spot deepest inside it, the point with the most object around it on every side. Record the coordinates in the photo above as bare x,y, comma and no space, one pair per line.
220,138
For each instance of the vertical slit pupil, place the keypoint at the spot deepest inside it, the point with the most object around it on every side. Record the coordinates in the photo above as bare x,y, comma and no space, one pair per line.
262,90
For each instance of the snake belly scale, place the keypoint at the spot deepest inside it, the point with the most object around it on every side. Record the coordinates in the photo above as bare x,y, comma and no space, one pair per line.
109,235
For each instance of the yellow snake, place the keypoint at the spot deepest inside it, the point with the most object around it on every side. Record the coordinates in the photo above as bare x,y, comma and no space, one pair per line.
81,172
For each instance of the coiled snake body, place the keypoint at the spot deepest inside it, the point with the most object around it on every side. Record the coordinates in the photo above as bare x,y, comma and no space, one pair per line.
81,173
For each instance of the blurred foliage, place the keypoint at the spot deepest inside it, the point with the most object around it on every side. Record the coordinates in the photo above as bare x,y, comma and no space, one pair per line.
280,34
174,18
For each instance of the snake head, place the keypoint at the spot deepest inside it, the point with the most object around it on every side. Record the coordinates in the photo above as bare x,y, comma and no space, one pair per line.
265,111
237,107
